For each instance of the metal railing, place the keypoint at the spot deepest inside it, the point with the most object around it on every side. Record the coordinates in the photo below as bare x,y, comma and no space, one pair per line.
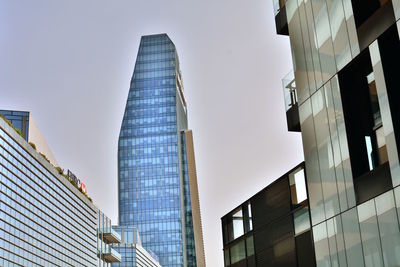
278,5
289,90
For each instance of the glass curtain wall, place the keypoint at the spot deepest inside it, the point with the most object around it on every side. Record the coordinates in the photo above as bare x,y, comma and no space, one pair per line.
149,153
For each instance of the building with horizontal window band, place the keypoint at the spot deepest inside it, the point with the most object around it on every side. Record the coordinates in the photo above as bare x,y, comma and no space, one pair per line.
44,219
272,228
343,97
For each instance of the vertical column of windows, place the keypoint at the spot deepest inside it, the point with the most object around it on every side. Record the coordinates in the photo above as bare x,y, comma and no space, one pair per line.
316,202
324,39
336,162
344,149
340,38
307,46
325,155
298,52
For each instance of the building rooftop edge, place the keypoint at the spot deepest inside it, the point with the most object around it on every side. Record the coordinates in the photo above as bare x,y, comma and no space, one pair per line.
268,185
21,141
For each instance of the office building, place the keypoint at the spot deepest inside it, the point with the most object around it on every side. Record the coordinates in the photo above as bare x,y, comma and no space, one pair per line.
27,127
343,98
46,217
272,228
131,247
156,170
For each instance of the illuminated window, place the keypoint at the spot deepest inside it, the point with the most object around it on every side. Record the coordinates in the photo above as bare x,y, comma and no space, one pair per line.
298,188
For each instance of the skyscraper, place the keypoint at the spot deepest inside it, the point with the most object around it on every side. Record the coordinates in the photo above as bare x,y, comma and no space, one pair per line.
156,173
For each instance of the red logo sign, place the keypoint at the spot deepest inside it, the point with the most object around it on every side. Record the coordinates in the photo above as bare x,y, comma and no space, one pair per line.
83,188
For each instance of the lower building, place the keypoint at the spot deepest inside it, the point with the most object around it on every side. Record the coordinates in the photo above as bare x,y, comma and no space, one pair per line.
272,228
46,219
132,252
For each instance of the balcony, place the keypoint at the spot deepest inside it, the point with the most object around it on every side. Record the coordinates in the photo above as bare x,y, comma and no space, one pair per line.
109,255
280,17
291,106
109,236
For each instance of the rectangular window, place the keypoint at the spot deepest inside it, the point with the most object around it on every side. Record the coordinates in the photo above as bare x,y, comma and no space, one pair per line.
226,257
237,222
298,188
364,128
238,252
250,246
301,221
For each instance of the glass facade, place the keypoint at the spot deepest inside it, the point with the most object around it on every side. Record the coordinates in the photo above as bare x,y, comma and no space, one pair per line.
345,58
44,220
153,183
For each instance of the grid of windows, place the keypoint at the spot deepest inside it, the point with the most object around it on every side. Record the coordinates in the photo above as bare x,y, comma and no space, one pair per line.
149,154
347,90
190,243
43,222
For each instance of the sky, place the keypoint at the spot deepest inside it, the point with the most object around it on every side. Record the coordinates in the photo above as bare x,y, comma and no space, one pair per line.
69,62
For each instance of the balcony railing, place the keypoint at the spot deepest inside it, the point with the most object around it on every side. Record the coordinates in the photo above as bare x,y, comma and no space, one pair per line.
289,90
291,106
110,236
108,254
278,5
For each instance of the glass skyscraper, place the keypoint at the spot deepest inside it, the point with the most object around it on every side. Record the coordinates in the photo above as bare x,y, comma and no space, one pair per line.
157,178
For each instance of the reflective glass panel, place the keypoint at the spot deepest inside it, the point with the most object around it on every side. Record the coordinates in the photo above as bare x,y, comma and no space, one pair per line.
238,252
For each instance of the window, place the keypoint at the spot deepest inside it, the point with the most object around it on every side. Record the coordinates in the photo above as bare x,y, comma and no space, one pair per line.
364,130
237,223
364,9
226,257
301,221
250,246
298,189
238,252
249,219
375,141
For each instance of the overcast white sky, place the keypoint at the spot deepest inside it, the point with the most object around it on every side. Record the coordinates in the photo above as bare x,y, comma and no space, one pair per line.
70,62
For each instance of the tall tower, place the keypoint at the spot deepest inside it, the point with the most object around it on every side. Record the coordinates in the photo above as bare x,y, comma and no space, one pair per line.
156,172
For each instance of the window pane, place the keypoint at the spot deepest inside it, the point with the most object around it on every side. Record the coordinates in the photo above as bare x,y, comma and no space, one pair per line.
298,188
321,245
250,217
370,234
226,256
238,252
388,228
301,221
352,240
325,154
311,161
237,219
250,246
